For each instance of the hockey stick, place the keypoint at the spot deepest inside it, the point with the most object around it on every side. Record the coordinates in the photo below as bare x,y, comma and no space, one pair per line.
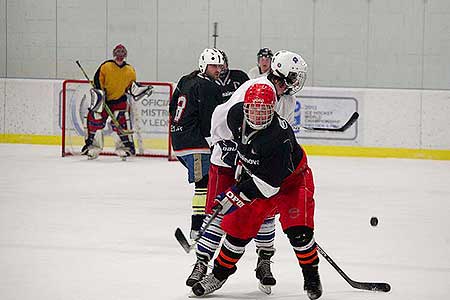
369,286
343,128
244,140
107,109
181,238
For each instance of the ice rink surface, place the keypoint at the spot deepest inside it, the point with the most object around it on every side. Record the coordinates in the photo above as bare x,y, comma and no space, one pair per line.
103,230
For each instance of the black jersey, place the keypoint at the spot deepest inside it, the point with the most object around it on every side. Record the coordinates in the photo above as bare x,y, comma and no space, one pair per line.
269,156
191,107
230,83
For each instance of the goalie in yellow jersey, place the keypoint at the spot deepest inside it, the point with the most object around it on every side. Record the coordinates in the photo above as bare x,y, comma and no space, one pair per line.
112,81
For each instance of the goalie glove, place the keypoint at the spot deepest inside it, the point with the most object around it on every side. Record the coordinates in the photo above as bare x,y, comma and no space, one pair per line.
230,200
138,91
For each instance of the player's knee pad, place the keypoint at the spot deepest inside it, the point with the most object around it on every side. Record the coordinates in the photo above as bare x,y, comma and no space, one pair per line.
236,244
300,236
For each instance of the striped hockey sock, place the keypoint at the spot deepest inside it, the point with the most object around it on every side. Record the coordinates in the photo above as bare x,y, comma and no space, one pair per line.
199,201
266,234
210,240
307,254
230,253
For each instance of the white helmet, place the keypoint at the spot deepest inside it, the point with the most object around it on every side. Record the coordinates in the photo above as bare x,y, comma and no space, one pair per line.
292,68
210,56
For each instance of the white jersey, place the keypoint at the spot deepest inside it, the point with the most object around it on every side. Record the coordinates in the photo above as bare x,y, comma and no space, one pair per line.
285,107
219,127
254,73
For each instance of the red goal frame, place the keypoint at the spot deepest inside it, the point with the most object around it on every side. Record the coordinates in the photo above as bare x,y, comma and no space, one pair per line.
169,155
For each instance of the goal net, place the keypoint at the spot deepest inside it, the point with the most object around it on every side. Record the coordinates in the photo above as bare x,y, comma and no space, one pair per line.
149,118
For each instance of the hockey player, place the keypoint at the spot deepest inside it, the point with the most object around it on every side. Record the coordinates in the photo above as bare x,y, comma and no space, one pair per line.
191,107
263,59
229,80
111,81
275,176
288,77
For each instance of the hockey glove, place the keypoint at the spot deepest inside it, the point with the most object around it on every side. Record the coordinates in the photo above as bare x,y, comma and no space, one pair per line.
229,152
139,91
230,200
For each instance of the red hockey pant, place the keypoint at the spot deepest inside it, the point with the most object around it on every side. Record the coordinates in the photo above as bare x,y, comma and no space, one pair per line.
294,202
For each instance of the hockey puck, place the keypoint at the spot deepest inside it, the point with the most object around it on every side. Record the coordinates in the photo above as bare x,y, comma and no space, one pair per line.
374,221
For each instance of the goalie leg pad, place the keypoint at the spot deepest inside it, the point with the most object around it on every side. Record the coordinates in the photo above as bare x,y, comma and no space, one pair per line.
96,121
97,100
119,108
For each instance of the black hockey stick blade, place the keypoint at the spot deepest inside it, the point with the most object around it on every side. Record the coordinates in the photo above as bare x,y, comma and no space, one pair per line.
343,128
181,238
369,286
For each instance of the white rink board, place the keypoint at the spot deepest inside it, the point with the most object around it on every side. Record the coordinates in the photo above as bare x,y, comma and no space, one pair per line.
416,119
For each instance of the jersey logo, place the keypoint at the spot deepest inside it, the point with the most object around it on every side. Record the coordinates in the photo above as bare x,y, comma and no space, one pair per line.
181,105
283,123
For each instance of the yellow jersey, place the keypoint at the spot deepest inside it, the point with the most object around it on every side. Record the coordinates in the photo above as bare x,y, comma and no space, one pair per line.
114,79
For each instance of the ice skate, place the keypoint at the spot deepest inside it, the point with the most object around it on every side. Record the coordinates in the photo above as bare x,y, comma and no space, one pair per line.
125,150
263,271
312,284
207,285
198,273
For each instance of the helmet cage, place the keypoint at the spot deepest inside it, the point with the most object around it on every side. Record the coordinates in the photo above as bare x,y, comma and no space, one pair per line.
120,52
295,82
258,114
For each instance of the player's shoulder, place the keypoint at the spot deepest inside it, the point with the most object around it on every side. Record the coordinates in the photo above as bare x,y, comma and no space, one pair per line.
235,115
107,63
280,128
239,74
130,67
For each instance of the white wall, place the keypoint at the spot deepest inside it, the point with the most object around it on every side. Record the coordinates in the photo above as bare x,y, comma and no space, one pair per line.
416,119
348,43
2,38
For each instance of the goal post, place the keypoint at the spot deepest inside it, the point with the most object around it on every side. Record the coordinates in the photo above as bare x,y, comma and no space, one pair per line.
149,118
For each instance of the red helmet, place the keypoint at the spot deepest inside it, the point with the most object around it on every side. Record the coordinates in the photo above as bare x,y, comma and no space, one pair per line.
120,52
259,105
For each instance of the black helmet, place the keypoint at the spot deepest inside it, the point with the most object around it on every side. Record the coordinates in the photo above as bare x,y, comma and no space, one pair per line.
225,57
264,52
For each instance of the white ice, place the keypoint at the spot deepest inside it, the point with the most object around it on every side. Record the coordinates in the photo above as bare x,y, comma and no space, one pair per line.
103,230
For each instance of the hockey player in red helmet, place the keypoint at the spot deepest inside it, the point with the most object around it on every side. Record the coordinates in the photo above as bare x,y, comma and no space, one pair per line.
223,162
259,105
275,177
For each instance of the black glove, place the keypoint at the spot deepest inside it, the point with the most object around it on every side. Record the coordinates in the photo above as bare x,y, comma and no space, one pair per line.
229,152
